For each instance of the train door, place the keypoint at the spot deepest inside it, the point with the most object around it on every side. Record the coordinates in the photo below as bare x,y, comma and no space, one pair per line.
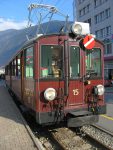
27,77
76,85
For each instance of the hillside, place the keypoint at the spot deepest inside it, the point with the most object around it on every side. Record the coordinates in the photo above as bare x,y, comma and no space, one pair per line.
13,40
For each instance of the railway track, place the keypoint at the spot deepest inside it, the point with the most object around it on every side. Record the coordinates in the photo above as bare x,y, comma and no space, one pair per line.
70,140
100,135
62,138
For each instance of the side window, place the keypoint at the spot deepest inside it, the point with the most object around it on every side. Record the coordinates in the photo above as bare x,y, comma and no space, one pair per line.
74,62
18,66
93,62
51,61
29,62
13,67
6,70
9,69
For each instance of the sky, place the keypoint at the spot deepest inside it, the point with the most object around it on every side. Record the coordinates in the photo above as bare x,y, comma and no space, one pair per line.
14,13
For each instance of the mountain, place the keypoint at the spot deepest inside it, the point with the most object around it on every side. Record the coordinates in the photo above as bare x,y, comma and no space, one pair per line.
11,41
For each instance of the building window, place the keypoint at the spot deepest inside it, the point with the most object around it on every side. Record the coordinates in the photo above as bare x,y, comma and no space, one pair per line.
84,10
108,30
29,62
80,13
96,3
80,1
97,33
103,32
99,2
107,13
108,48
102,16
88,7
96,19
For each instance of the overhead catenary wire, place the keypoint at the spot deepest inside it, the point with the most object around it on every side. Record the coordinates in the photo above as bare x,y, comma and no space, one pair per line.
49,23
49,10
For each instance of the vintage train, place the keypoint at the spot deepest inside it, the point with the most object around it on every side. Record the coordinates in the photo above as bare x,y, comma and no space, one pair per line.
60,77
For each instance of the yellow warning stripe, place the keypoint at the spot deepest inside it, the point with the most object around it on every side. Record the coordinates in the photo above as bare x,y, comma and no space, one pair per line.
105,116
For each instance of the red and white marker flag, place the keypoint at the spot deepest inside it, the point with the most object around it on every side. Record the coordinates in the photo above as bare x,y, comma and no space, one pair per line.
89,42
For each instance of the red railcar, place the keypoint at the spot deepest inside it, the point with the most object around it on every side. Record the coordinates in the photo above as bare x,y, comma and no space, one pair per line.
58,79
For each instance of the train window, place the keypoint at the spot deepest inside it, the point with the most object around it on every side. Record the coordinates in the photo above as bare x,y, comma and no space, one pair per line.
13,67
6,70
29,62
93,62
9,69
51,61
74,62
18,66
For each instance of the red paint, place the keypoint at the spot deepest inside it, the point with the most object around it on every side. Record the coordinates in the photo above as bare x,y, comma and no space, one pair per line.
89,42
79,93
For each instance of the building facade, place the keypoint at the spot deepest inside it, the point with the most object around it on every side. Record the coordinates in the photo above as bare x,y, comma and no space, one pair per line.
99,14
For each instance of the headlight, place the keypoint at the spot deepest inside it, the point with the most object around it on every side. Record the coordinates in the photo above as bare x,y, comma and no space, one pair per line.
80,28
99,89
50,94
76,29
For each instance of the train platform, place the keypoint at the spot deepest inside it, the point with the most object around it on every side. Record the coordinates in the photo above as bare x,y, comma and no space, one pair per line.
106,120
14,131
109,89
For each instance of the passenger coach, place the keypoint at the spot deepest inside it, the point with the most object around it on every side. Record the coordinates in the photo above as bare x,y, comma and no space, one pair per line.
60,77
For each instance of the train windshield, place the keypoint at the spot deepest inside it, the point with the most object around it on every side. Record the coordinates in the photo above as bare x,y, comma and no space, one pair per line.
51,61
93,62
74,62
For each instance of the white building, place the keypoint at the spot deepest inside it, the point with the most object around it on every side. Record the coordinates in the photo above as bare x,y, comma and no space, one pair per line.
99,13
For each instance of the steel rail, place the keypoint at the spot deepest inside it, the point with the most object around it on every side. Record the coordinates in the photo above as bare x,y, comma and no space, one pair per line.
97,140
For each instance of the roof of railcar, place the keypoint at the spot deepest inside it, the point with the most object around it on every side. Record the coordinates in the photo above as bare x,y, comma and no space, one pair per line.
12,41
39,36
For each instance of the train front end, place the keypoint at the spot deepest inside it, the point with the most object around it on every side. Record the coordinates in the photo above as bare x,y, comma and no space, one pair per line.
69,78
